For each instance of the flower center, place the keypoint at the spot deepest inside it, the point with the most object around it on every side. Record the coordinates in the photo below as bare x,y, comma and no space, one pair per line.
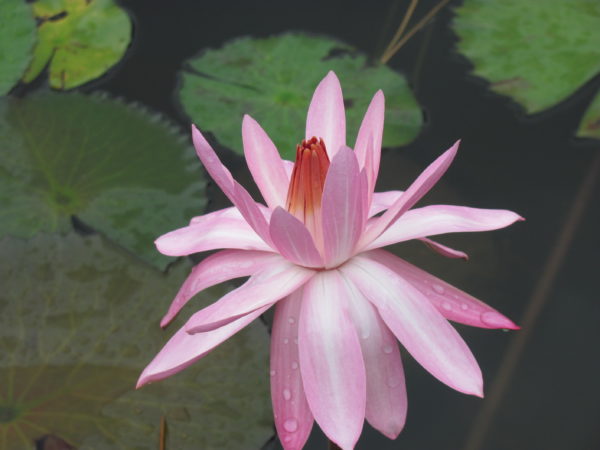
306,185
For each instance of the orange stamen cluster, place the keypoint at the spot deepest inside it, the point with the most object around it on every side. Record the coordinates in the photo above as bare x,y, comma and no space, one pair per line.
307,183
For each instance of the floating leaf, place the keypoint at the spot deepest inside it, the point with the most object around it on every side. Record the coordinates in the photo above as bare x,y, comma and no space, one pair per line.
536,52
590,124
78,323
79,40
273,79
116,167
17,36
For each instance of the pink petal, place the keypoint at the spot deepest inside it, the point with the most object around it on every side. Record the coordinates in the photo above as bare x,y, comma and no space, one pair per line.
423,331
342,214
293,418
264,163
293,240
383,200
217,268
220,229
326,115
184,349
412,195
386,389
231,188
370,135
333,372
453,303
444,250
263,288
440,219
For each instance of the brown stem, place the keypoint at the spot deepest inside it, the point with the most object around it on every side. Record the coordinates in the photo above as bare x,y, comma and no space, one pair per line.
162,439
482,423
409,12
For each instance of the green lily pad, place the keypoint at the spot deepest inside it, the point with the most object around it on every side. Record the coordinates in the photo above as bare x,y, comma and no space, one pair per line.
273,80
17,36
590,124
79,40
118,168
536,52
78,323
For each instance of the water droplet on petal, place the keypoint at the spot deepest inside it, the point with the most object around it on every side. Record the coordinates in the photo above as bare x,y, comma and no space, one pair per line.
287,439
290,425
272,373
438,288
296,341
286,340
287,394
447,306
365,334
291,320
464,306
493,319
294,365
387,349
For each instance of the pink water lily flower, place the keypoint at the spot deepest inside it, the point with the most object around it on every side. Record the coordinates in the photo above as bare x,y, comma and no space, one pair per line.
341,302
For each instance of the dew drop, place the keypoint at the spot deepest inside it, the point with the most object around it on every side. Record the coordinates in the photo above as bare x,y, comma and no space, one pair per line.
290,425
291,320
387,349
287,439
365,334
287,394
286,341
296,341
492,319
294,365
272,373
447,306
464,306
438,288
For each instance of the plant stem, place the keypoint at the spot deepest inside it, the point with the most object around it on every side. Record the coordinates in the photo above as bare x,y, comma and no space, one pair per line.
481,425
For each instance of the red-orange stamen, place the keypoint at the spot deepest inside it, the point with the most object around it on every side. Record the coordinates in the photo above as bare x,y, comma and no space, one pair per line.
308,180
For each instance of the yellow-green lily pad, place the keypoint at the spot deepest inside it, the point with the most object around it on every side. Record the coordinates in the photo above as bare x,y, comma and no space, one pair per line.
120,169
78,323
79,40
536,52
272,79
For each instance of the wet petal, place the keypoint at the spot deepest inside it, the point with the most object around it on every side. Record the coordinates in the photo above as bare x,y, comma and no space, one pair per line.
421,329
293,419
333,371
451,302
264,163
217,268
264,288
326,115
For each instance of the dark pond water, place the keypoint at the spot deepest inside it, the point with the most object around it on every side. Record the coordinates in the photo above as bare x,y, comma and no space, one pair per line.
530,165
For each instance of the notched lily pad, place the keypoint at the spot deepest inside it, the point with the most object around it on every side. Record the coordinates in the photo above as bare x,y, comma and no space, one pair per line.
273,79
590,124
79,40
17,37
118,168
538,52
78,323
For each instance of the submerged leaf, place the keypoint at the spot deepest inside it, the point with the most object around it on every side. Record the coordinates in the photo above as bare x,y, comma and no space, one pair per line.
269,79
73,343
17,36
116,167
79,40
537,52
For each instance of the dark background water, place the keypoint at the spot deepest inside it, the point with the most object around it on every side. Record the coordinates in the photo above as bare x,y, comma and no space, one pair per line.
531,165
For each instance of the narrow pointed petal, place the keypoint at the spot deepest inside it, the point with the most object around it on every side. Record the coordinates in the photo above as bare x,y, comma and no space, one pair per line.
444,250
293,419
424,182
183,349
264,163
220,229
450,301
217,268
264,288
231,188
383,200
293,240
370,135
386,389
326,115
342,214
333,372
419,326
441,219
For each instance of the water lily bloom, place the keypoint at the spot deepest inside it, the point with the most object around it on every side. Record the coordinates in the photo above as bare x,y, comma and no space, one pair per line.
341,302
